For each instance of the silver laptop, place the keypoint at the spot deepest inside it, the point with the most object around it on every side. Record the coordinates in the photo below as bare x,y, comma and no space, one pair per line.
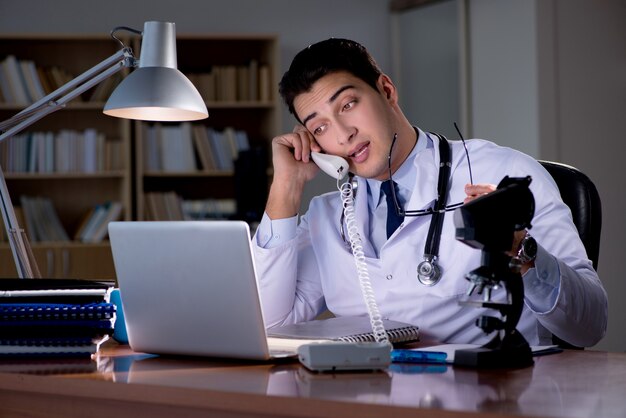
189,288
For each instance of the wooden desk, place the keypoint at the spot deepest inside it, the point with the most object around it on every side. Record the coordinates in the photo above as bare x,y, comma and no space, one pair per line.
120,383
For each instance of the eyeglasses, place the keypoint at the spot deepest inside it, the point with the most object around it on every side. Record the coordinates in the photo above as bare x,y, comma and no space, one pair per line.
442,193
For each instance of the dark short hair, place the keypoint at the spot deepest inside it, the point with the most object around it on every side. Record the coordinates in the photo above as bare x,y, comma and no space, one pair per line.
323,58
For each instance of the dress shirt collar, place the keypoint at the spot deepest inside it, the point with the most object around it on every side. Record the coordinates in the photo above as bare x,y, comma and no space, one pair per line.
405,176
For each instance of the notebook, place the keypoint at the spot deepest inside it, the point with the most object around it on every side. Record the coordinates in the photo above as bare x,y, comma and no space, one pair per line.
189,288
346,328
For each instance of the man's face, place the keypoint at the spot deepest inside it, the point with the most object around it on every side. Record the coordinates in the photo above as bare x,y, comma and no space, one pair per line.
349,118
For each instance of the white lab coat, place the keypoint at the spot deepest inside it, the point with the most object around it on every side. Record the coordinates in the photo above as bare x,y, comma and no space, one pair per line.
299,279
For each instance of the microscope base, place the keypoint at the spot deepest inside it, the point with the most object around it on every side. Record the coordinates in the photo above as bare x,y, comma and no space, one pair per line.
493,358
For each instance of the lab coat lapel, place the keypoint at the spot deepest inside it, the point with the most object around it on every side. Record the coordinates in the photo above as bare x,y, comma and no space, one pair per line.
426,164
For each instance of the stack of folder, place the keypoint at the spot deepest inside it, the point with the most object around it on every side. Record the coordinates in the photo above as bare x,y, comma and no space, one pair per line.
54,317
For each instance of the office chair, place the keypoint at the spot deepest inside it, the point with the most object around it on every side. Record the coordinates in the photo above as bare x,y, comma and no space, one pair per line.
581,196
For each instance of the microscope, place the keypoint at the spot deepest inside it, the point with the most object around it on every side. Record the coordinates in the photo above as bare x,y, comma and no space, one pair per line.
489,223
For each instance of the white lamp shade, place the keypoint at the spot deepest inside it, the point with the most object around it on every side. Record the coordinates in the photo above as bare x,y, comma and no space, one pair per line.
156,94
156,90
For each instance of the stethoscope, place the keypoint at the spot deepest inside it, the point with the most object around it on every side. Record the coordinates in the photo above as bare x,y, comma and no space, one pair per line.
428,271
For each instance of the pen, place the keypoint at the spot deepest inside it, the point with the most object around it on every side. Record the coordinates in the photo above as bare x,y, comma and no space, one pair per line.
416,356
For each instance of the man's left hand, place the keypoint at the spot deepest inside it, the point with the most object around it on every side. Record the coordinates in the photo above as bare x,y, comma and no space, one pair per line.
474,191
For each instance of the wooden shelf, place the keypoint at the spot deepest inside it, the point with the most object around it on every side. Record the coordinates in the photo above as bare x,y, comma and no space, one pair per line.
205,56
72,193
65,176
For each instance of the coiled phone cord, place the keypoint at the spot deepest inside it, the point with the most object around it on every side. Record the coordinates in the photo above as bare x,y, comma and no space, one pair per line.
347,199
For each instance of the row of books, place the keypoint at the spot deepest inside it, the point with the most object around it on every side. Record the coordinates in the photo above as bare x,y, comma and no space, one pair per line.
54,318
234,83
186,148
169,206
87,151
94,226
39,219
22,82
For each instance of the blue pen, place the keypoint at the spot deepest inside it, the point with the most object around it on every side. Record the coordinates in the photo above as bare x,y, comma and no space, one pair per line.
416,356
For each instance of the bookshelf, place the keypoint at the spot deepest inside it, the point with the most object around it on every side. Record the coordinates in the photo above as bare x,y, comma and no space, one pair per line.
76,158
237,77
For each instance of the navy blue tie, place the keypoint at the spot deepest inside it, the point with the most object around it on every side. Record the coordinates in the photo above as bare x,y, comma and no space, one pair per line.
393,219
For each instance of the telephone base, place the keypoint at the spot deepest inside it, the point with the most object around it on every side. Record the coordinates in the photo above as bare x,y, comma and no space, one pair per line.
339,356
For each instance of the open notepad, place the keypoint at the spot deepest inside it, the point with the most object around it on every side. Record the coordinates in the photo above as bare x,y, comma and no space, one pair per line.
350,329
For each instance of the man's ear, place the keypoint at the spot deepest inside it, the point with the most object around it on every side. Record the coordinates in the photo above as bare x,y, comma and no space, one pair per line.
387,88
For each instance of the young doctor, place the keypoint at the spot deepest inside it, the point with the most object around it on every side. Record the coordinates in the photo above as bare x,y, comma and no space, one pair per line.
346,106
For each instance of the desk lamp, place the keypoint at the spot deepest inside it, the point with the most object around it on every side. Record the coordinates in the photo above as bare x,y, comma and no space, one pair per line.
155,91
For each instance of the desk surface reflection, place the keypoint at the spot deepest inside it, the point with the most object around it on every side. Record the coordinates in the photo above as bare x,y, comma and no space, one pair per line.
120,382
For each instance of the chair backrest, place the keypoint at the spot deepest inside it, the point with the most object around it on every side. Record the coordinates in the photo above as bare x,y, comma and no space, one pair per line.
580,194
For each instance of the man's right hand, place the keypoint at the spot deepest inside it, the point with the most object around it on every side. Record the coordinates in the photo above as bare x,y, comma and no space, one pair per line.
292,169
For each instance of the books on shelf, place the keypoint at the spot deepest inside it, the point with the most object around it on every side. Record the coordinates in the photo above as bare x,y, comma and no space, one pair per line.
41,221
66,151
54,318
345,328
177,154
168,148
14,85
209,209
94,226
168,206
163,206
23,82
234,83
188,148
34,88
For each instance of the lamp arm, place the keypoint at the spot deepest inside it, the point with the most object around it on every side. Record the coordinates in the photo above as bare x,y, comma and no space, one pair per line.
22,254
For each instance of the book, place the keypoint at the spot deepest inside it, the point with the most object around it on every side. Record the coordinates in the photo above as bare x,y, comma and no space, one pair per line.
151,148
92,223
54,317
58,348
17,85
265,85
345,328
203,148
69,329
177,154
14,312
54,291
84,221
113,213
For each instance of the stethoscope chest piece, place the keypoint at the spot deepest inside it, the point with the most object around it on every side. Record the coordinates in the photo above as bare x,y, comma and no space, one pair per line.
428,273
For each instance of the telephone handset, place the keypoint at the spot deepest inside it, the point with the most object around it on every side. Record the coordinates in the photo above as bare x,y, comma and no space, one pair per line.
333,165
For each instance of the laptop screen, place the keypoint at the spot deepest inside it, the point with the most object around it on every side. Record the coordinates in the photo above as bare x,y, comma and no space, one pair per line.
189,287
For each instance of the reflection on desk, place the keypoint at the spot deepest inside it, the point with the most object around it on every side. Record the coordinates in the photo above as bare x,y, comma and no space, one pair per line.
570,384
